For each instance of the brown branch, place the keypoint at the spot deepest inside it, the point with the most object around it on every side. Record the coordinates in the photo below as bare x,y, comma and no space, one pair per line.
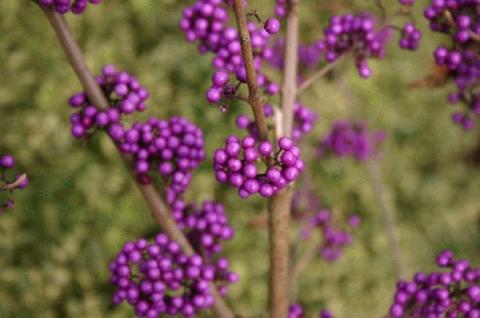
278,222
379,189
159,209
387,214
303,262
319,74
14,184
279,204
289,86
255,96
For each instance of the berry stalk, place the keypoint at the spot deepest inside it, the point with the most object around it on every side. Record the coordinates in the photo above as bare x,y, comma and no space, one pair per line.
158,206
18,182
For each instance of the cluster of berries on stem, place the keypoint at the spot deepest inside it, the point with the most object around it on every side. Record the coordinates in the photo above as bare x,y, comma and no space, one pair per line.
237,164
453,293
158,278
64,6
458,21
9,183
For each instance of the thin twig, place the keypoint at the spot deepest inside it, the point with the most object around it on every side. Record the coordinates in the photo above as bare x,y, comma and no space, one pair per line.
378,185
241,98
159,209
319,74
303,262
387,215
14,184
383,12
290,69
255,96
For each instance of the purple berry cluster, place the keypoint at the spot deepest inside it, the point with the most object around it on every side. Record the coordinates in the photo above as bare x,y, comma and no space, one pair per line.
334,240
64,6
452,293
172,147
244,122
237,164
348,138
125,95
205,226
356,34
281,8
296,311
157,278
207,22
410,37
304,119
7,184
407,3
458,20
309,55
228,64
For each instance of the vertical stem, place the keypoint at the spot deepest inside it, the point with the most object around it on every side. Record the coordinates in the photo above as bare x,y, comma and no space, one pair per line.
159,209
290,72
280,204
387,213
279,239
378,184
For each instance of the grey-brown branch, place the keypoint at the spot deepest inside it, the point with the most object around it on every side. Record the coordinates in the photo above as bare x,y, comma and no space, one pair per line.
279,204
159,209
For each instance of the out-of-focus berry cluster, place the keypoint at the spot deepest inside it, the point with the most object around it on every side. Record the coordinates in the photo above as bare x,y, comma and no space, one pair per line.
348,138
333,240
64,6
357,34
454,292
458,20
157,278
296,311
303,121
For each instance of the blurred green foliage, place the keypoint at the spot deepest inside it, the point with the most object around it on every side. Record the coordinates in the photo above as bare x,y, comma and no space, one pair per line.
81,206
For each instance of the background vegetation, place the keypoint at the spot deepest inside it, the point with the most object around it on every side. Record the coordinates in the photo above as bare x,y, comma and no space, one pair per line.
81,206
